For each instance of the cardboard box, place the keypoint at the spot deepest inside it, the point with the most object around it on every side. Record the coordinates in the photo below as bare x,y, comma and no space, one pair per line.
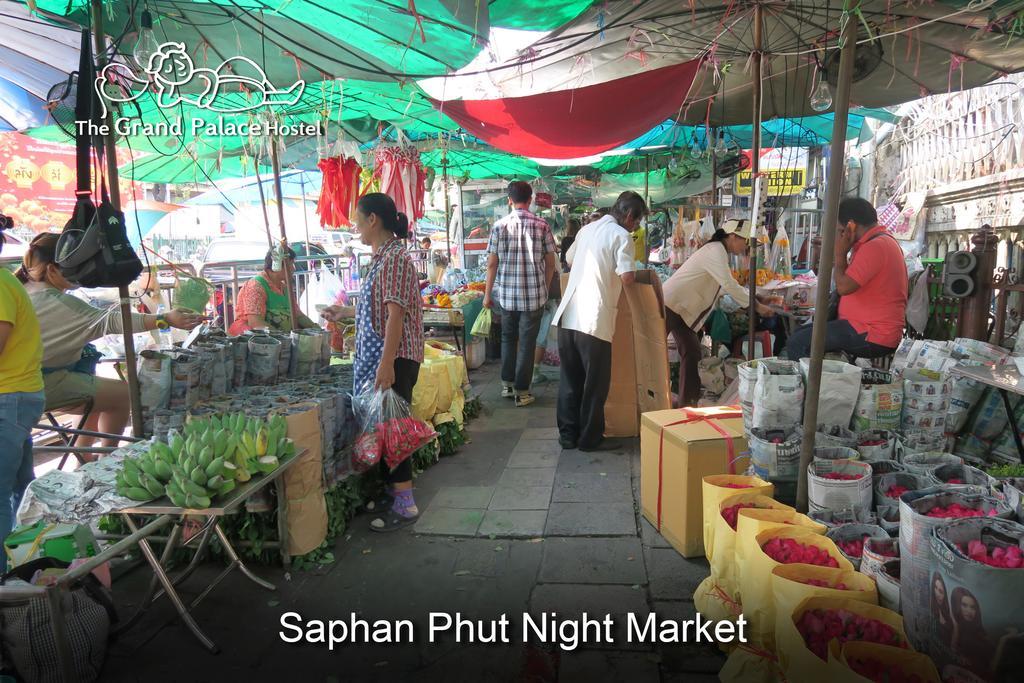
640,379
692,451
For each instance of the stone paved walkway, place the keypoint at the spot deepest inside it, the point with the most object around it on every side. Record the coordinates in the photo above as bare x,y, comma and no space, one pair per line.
511,524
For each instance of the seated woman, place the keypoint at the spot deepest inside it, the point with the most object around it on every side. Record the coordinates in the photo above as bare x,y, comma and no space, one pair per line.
263,304
67,325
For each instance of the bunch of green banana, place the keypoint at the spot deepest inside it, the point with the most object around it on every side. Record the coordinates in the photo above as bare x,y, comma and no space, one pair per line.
259,444
197,464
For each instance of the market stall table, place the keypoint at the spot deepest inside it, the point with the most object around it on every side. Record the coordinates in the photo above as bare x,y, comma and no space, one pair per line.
1006,379
163,507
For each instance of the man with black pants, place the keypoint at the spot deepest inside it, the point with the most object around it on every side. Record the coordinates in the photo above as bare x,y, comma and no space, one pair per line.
601,261
520,267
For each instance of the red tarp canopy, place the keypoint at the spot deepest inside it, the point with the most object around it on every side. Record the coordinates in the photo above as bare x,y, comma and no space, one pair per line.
569,124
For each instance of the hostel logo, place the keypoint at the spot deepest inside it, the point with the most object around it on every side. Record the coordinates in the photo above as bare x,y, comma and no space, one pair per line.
170,71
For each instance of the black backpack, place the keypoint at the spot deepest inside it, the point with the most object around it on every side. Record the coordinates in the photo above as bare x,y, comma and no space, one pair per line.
93,249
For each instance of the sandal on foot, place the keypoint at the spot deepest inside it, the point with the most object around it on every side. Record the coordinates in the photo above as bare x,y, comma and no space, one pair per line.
391,521
381,502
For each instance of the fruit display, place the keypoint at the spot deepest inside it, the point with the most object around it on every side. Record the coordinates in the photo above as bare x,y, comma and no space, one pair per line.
208,458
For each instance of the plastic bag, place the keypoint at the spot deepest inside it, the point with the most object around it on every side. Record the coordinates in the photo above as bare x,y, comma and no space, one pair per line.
482,324
389,416
192,293
917,305
325,289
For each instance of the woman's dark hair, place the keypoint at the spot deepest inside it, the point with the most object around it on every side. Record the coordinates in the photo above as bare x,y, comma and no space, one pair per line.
42,251
383,206
719,235
520,192
629,205
268,260
857,210
572,228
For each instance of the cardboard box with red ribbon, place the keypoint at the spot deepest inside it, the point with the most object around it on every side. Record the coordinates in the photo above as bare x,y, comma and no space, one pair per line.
678,448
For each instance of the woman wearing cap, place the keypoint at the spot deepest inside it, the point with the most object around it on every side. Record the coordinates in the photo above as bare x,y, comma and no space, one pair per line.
692,292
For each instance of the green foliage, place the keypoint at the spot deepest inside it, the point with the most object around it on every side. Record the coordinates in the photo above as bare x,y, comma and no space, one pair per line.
1005,471
449,437
472,409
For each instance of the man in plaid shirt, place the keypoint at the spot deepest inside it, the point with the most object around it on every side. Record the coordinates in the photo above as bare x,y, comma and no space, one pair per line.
520,267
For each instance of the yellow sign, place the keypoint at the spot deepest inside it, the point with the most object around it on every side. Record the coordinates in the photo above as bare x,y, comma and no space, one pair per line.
22,172
779,181
57,174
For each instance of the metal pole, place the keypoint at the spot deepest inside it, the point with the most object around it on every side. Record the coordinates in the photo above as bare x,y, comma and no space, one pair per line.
755,168
288,275
447,200
848,48
714,189
131,372
305,223
647,202
460,239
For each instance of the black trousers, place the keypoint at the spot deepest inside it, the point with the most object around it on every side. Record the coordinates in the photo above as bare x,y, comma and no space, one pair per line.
406,373
586,367
688,345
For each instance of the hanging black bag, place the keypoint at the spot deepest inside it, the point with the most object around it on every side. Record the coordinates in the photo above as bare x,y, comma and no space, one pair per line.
93,250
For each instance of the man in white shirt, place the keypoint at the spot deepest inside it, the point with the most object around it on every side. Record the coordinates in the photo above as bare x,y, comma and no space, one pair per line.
601,262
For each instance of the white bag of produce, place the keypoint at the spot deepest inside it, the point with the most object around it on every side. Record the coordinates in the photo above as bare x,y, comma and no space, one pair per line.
829,453
925,463
925,402
877,444
778,394
879,402
920,441
961,475
154,369
838,485
775,453
840,389
712,375
976,582
965,395
890,487
851,539
835,436
920,514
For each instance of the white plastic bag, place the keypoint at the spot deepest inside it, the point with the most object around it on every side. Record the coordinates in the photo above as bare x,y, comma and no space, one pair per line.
778,397
840,389
917,304
323,289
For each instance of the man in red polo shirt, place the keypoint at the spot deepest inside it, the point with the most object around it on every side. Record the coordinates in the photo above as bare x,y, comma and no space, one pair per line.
872,285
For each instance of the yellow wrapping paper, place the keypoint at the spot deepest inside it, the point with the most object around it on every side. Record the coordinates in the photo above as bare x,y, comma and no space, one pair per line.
798,663
910,663
724,568
713,603
424,397
713,490
751,522
756,586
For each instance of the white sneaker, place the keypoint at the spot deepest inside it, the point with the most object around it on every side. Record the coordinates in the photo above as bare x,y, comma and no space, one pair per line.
508,392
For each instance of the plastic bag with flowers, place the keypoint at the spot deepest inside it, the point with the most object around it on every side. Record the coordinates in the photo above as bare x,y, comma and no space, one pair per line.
387,421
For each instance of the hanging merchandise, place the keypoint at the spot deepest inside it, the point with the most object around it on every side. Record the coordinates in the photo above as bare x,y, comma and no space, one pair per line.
339,190
780,262
402,177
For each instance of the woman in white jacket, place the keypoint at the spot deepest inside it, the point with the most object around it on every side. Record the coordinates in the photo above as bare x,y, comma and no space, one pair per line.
692,292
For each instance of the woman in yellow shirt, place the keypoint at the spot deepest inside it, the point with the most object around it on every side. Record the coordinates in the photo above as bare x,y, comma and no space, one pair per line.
21,393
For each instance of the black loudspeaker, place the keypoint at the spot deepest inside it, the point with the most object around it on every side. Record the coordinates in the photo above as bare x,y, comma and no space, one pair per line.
958,274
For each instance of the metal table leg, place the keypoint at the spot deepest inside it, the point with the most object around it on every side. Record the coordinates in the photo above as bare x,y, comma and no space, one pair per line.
168,586
1013,423
236,561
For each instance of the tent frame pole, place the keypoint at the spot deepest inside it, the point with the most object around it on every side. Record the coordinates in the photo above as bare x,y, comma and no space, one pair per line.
447,200
131,371
836,165
755,169
289,284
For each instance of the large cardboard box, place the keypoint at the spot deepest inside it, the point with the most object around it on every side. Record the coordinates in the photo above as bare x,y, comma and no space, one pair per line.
692,451
640,380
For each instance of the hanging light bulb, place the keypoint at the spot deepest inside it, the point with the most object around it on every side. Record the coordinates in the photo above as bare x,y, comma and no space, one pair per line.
147,44
720,148
821,98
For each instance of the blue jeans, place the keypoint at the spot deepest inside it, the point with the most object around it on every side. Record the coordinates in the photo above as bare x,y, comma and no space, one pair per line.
839,336
19,413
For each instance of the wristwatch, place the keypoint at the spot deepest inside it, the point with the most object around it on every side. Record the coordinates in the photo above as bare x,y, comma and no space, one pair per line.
161,322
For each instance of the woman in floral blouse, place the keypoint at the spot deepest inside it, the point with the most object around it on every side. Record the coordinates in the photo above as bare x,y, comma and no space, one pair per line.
263,304
389,334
